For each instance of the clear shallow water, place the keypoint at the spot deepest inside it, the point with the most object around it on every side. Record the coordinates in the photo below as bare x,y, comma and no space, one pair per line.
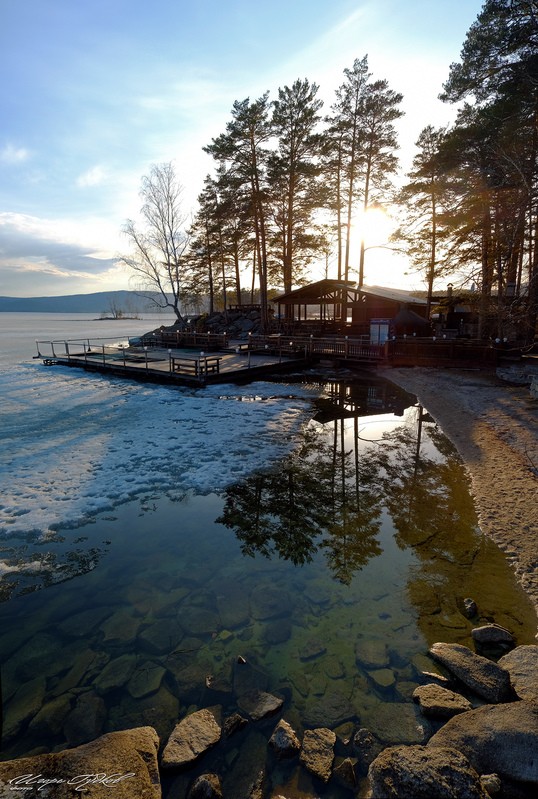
330,573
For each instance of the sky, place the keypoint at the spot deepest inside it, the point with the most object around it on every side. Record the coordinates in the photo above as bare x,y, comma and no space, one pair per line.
93,93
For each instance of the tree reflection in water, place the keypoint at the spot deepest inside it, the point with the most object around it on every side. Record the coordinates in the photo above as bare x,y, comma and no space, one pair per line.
325,498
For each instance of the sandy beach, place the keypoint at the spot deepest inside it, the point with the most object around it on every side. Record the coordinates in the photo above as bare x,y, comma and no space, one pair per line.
494,426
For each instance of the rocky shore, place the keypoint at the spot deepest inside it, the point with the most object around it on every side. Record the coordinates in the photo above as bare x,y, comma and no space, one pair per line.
492,419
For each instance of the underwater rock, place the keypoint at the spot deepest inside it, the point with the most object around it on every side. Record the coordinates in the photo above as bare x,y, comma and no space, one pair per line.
331,708
88,664
86,721
232,606
440,702
312,649
522,665
25,704
259,704
247,677
284,741
383,679
470,608
492,634
160,710
372,653
161,637
129,758
277,632
233,724
317,752
81,624
397,723
366,747
206,786
121,628
479,674
267,601
199,621
192,737
146,679
116,674
51,718
344,772
422,773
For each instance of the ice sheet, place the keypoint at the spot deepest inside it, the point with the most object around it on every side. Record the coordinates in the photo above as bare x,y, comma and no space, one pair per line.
74,444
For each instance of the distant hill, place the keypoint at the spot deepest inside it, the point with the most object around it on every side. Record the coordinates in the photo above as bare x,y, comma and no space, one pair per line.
129,302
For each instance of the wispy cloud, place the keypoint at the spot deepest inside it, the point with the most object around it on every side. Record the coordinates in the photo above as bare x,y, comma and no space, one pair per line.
92,177
10,154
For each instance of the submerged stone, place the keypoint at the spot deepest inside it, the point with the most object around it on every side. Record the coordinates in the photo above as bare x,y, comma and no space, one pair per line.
259,704
267,601
25,704
372,653
116,673
146,680
86,720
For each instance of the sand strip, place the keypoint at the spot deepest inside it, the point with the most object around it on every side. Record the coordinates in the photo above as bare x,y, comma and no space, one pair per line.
494,426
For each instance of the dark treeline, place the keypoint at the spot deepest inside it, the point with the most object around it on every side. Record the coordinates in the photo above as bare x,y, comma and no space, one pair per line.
288,180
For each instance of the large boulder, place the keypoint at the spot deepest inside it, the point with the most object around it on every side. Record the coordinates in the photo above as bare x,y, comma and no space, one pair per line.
522,665
480,675
192,737
119,764
317,752
499,739
423,773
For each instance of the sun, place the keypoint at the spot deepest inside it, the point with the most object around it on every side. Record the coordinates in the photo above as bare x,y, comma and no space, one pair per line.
373,226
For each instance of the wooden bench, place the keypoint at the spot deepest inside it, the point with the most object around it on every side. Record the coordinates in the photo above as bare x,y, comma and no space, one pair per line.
204,365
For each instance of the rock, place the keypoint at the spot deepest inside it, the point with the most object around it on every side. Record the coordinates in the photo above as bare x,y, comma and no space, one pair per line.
284,741
80,625
50,719
372,653
259,704
333,707
276,632
440,702
161,637
23,706
232,605
247,678
206,786
192,737
366,748
423,773
492,634
398,723
312,649
146,680
317,752
470,608
382,678
491,783
86,721
121,628
199,621
522,665
233,724
267,601
500,739
116,674
479,674
120,764
85,665
344,773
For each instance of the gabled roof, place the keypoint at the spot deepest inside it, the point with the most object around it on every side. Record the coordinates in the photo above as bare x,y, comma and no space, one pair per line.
322,291
398,295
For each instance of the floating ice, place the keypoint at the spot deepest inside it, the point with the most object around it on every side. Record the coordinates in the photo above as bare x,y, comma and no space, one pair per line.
75,444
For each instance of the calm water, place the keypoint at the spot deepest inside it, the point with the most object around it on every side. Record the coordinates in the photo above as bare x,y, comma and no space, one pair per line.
330,573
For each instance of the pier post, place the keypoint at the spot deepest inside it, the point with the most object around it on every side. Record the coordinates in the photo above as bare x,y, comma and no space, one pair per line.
104,357
146,357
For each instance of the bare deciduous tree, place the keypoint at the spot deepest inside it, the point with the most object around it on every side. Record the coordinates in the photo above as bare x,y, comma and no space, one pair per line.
158,261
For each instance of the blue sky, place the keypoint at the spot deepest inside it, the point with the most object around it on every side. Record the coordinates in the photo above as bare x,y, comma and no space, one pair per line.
93,93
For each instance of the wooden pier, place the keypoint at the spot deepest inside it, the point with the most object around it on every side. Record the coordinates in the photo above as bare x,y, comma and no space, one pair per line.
198,359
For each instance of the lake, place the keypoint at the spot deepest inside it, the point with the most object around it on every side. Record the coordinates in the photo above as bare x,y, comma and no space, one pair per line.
166,549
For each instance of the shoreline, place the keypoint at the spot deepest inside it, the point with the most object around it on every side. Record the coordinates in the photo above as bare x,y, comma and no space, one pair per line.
494,426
